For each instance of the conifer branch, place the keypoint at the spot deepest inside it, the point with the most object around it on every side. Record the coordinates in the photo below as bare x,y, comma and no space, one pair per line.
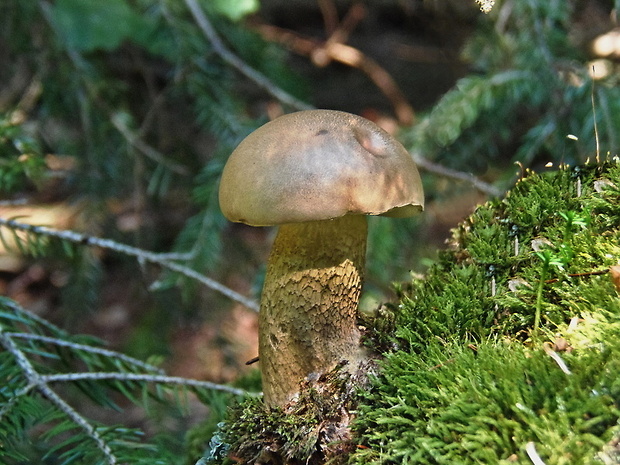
31,379
146,378
36,381
450,173
15,396
87,348
233,60
17,309
140,254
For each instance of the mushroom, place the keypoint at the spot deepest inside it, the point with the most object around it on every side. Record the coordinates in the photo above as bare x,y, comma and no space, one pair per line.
316,173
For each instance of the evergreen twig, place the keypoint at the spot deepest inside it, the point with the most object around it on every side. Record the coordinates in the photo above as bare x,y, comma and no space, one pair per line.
33,377
87,348
37,381
10,403
140,254
147,378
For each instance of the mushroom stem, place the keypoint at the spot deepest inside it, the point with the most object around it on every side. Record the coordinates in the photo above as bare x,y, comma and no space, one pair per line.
309,306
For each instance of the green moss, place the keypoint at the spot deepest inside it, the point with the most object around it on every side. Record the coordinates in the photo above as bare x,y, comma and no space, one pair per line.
509,346
523,289
463,406
313,430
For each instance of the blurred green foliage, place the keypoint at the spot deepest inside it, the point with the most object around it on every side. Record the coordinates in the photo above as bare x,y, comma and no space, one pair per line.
21,161
86,26
528,88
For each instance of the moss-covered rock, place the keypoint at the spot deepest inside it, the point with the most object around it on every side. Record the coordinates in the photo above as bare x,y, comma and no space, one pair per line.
508,351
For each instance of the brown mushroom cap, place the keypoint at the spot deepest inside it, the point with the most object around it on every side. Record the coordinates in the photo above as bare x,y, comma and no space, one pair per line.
316,165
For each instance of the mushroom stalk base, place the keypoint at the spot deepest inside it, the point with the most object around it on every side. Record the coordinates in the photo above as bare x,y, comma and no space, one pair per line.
309,306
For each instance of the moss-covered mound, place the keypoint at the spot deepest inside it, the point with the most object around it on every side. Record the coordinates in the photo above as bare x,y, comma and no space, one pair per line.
509,350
